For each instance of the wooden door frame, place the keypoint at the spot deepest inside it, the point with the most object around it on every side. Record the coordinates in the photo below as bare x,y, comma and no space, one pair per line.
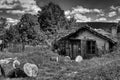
72,42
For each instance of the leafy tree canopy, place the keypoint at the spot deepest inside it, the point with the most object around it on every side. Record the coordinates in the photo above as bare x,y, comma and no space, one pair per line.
52,18
26,29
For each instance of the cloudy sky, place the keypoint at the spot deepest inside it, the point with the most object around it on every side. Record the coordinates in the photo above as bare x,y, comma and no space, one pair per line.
82,10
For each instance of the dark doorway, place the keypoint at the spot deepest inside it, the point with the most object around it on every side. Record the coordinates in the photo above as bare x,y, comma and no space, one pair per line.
76,48
71,47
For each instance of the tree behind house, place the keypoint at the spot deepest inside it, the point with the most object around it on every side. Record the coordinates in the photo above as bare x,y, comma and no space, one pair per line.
3,25
52,20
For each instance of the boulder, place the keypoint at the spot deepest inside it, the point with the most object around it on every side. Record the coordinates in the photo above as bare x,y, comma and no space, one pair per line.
78,58
67,58
30,69
54,58
1,41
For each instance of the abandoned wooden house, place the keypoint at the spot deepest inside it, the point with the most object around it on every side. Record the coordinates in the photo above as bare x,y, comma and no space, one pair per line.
85,42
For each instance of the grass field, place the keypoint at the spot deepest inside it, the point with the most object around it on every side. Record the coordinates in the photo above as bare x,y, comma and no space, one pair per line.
105,68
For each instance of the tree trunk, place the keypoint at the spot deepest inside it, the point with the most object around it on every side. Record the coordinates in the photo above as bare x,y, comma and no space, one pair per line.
2,71
48,42
23,46
1,47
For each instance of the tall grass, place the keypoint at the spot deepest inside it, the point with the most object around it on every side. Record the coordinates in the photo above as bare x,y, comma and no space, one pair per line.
102,68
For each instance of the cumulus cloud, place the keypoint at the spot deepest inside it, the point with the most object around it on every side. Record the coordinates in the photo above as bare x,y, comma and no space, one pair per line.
82,18
115,8
28,6
16,11
80,9
101,19
111,14
101,14
78,16
79,13
67,12
11,20
97,10
8,4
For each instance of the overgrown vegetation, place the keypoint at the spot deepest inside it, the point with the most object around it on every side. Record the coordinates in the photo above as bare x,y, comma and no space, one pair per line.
106,67
49,25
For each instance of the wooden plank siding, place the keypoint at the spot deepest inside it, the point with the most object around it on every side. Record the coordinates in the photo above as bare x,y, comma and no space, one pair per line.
70,48
76,44
83,48
86,42
74,47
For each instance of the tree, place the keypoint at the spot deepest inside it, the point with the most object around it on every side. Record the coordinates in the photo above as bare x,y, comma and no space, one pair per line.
52,18
26,31
3,24
11,35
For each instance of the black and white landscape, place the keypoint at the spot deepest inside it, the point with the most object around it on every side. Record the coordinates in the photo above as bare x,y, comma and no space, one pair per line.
59,39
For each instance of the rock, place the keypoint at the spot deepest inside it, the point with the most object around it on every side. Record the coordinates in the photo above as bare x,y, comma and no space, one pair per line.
54,59
78,58
30,69
67,58
1,41
71,74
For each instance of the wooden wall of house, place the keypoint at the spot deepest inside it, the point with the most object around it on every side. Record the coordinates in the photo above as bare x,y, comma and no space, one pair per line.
77,45
70,48
114,31
101,43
